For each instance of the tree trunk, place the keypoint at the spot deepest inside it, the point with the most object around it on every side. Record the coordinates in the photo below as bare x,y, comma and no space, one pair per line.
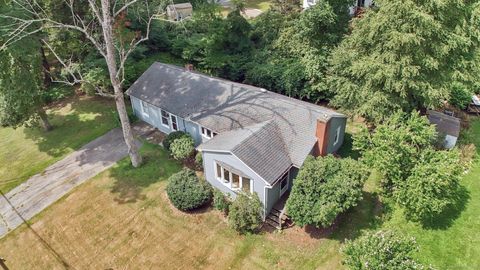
135,156
47,79
44,120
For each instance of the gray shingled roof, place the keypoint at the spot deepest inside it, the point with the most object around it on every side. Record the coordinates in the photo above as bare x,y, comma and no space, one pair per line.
223,106
260,147
445,124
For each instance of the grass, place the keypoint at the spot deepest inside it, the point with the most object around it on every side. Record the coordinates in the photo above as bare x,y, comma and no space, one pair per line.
258,4
28,151
123,219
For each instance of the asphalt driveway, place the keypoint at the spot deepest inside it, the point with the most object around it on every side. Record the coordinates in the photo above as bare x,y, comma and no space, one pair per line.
41,190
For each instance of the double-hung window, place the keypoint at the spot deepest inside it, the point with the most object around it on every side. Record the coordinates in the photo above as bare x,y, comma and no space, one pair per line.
165,116
144,108
233,180
174,122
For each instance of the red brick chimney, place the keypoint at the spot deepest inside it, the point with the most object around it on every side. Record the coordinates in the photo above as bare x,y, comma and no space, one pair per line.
322,138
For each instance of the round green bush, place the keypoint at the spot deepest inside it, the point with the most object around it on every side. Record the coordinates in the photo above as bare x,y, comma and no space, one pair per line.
187,192
220,201
244,213
182,147
460,96
172,137
381,250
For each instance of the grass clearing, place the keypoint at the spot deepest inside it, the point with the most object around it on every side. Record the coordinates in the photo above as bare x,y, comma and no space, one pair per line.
25,152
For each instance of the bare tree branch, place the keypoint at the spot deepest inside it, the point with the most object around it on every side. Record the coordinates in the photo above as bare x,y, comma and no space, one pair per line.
116,13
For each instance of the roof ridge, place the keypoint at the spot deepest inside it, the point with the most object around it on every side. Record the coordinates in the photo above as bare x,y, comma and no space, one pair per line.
281,97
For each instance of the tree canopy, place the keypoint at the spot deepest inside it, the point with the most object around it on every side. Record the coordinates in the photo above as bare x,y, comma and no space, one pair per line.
324,188
405,55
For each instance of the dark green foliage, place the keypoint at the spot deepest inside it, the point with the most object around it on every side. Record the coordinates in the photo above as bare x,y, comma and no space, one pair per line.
245,213
395,146
432,186
57,92
183,147
381,250
402,56
220,201
131,117
21,84
96,79
187,192
460,96
172,137
324,188
425,181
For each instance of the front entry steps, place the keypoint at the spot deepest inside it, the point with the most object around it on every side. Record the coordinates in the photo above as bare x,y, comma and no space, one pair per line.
277,220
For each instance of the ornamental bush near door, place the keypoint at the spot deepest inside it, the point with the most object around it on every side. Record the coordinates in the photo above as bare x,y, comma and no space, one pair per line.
172,137
187,192
183,147
244,213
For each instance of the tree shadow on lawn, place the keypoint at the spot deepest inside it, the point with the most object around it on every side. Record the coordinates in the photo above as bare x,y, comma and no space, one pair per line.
447,217
130,182
76,121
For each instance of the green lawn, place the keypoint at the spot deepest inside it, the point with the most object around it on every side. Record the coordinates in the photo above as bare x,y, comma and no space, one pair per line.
28,151
263,5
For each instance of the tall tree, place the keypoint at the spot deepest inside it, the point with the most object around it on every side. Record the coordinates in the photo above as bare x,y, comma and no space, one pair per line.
97,24
22,85
404,55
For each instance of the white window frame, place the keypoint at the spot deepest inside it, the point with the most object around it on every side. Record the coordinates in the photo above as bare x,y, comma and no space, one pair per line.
143,104
337,136
229,183
204,132
168,118
287,178
172,116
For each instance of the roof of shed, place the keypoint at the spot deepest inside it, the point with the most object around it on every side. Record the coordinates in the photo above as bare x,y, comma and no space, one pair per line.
224,106
446,124
180,5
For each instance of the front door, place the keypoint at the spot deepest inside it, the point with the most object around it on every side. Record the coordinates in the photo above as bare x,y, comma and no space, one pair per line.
284,184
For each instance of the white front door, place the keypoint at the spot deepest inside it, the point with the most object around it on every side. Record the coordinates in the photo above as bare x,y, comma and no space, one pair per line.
284,184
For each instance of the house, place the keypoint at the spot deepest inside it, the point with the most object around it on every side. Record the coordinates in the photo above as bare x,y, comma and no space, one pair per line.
357,5
446,125
251,139
178,12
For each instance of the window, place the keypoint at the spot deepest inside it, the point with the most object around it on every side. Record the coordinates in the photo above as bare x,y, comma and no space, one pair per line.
174,122
219,172
232,180
207,133
246,184
337,136
284,183
165,117
235,181
226,176
144,107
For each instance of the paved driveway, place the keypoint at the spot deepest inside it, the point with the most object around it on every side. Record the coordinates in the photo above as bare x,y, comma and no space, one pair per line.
41,190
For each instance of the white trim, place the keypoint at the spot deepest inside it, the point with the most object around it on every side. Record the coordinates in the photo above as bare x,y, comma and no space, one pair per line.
282,191
171,121
251,169
161,118
230,179
202,128
337,135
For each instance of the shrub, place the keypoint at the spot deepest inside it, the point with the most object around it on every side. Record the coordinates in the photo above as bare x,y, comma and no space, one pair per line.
220,201
324,188
381,250
460,97
182,147
244,213
57,92
187,192
199,160
171,137
433,185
